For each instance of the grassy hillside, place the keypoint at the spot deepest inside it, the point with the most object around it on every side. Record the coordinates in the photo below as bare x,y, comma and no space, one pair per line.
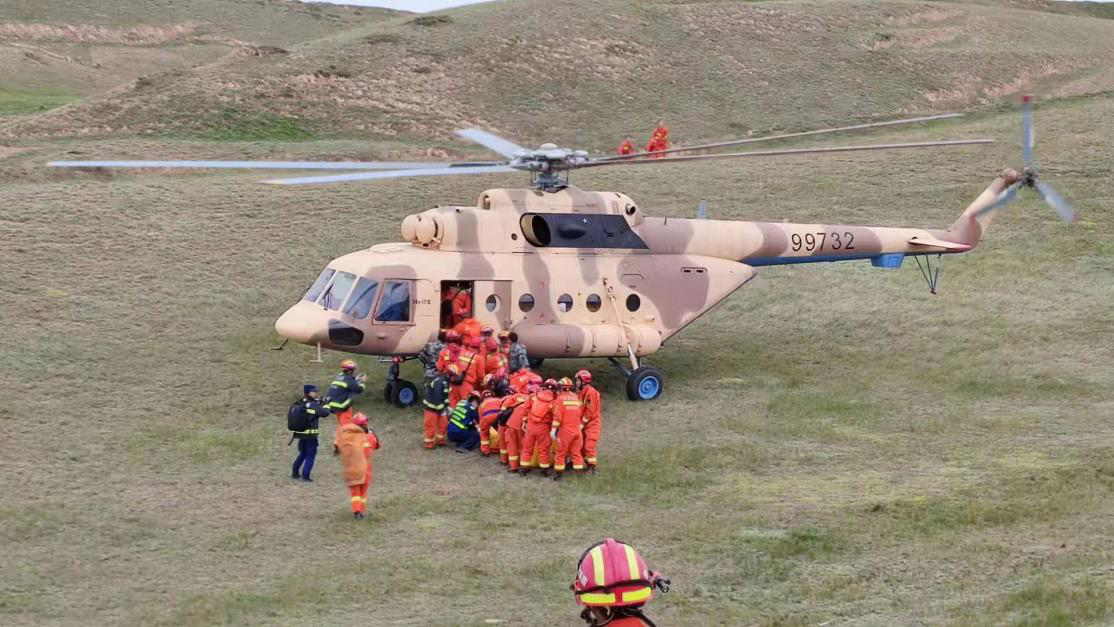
54,52
587,72
835,445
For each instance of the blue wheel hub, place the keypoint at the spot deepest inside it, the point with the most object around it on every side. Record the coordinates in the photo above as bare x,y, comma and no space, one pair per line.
406,396
649,387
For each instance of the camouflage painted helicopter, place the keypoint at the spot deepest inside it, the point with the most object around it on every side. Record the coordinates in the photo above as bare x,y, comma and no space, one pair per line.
578,273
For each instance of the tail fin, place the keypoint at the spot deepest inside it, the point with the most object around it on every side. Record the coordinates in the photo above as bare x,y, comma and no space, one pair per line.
969,228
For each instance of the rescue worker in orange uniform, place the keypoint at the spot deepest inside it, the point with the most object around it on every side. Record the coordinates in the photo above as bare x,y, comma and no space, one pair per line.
461,305
590,417
567,414
490,406
659,140
613,584
467,372
451,352
513,413
469,329
435,402
494,358
536,439
343,390
355,443
627,147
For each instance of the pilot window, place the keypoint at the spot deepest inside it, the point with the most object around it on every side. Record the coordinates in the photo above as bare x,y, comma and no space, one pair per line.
334,295
394,304
359,306
319,284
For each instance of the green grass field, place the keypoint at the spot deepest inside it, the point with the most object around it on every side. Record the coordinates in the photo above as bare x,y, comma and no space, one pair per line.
835,445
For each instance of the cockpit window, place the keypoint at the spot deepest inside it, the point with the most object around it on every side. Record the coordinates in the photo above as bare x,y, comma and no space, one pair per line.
359,306
319,284
334,295
394,305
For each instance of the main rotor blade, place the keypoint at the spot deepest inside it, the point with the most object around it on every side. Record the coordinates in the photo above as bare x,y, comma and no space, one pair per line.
505,147
790,151
368,176
1004,198
751,140
1056,201
257,165
1027,131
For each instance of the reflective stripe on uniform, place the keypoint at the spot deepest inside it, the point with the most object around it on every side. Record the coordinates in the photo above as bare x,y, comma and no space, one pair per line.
308,432
571,403
433,406
340,384
591,460
597,599
633,596
597,568
342,406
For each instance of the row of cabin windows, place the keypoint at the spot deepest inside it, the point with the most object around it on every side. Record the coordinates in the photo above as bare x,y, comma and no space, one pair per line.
565,303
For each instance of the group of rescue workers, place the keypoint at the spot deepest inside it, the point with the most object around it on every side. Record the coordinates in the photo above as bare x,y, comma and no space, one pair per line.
480,391
659,141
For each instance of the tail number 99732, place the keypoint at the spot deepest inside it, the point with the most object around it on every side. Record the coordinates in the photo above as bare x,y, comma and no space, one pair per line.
816,241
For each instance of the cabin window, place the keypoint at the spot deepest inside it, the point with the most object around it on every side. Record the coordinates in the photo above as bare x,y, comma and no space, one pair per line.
594,302
633,302
359,306
394,304
492,302
526,302
564,303
319,284
335,294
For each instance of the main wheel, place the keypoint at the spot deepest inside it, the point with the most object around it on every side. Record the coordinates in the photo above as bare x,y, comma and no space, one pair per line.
405,394
645,384
535,362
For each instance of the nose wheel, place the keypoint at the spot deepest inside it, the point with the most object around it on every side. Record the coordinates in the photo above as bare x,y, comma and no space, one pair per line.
399,392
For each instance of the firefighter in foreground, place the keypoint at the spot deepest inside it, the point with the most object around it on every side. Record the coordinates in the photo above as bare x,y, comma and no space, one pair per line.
303,422
343,390
613,584
355,442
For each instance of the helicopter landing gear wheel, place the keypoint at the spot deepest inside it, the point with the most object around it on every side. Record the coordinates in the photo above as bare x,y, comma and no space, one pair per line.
389,391
403,393
645,384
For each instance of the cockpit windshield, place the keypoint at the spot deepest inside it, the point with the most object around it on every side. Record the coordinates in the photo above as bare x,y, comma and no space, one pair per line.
359,306
334,295
319,284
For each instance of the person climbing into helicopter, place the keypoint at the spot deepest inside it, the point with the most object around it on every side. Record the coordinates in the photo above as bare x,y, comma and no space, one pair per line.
456,303
626,147
343,389
591,416
354,443
659,140
430,353
613,584
435,406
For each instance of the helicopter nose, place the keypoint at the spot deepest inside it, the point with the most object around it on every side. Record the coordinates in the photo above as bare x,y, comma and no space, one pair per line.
305,323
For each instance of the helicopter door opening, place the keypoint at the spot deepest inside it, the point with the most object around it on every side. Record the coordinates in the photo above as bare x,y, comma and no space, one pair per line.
457,302
492,304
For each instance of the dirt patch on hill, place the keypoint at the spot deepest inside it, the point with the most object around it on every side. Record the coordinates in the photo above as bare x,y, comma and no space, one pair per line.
969,89
93,34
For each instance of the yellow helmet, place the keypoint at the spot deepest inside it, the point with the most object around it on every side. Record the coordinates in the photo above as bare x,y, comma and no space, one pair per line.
347,365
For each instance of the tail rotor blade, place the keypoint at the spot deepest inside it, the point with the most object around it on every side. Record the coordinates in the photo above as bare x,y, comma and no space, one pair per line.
1003,199
1056,201
1026,131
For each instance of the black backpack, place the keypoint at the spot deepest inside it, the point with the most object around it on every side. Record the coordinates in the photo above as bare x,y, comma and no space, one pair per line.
297,419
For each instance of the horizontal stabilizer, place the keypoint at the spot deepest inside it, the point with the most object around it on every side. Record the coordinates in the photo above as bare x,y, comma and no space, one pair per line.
924,240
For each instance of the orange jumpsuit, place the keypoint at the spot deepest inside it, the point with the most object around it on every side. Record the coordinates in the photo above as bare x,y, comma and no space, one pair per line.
472,368
658,141
489,413
461,306
567,414
511,435
590,398
537,430
519,379
448,355
494,359
355,448
626,148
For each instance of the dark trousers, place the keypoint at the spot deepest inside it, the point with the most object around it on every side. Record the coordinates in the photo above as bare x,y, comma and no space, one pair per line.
464,439
307,453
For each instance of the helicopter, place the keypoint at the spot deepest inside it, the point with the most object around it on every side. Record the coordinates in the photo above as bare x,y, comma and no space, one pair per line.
579,273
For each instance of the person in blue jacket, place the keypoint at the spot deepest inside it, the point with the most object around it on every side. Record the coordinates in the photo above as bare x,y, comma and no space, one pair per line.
462,423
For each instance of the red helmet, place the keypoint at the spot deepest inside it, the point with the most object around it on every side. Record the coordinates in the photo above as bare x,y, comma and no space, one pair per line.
565,383
613,574
550,383
474,395
487,330
485,394
359,419
347,365
535,379
583,376
475,342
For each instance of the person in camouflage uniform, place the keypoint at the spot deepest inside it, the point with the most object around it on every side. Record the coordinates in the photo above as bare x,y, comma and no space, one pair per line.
516,352
428,355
